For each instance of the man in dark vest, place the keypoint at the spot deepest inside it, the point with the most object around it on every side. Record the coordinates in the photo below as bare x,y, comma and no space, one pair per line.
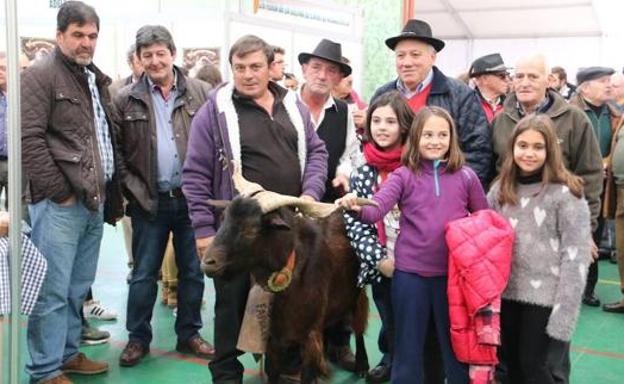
322,70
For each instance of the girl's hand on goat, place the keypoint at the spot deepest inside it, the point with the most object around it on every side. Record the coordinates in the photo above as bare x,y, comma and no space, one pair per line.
386,267
349,201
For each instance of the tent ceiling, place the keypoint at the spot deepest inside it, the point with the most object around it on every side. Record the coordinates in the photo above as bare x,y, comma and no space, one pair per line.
505,19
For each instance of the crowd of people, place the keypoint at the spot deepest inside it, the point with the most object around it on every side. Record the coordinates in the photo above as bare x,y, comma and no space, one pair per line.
149,151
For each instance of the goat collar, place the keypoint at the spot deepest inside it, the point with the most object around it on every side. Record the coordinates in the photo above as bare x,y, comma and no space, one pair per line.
280,280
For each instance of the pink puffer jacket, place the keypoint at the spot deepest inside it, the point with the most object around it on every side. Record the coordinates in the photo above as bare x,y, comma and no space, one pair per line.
480,248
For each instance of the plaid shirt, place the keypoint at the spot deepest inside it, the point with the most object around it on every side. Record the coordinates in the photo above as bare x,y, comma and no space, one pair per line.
101,126
34,268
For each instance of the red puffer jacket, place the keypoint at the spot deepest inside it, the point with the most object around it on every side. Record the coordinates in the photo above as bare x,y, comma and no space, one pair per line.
480,248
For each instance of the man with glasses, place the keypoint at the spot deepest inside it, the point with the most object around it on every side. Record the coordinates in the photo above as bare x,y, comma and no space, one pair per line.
492,79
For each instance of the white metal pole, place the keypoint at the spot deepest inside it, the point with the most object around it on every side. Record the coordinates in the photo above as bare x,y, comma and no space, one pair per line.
15,184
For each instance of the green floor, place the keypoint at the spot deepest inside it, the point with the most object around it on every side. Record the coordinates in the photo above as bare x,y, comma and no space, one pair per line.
597,358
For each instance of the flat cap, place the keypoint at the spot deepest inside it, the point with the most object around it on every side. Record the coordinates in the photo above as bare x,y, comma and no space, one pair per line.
592,73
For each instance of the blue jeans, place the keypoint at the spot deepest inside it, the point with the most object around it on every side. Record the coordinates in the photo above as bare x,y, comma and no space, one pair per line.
414,299
149,239
69,238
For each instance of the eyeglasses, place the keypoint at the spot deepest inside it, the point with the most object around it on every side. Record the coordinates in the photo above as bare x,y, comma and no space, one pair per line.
502,75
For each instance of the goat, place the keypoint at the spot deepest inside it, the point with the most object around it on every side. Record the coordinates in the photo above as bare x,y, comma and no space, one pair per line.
307,262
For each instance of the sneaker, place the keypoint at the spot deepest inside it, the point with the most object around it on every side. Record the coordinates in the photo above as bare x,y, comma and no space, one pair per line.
94,310
93,336
81,365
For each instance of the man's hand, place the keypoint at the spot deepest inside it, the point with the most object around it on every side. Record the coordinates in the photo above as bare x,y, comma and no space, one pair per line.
307,198
202,244
359,119
341,181
594,251
71,200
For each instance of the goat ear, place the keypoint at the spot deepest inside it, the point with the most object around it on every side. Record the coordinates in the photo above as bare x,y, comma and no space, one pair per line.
277,222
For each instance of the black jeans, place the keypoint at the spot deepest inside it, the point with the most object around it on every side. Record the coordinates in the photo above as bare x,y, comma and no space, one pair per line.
592,274
230,299
529,354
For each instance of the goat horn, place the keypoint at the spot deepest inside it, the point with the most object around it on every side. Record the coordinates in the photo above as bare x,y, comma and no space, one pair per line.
270,201
244,187
316,209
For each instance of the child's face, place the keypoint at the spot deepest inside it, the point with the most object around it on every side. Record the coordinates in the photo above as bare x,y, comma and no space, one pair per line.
435,139
385,129
529,152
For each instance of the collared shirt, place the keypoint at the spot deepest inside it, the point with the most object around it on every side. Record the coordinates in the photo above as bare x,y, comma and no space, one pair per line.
101,127
352,157
3,126
169,164
409,94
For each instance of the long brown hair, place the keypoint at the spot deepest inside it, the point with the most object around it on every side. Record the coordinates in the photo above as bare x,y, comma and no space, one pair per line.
411,154
554,170
403,112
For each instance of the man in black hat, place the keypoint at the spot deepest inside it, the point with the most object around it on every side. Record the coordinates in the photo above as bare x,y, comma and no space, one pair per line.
594,91
492,83
322,70
422,84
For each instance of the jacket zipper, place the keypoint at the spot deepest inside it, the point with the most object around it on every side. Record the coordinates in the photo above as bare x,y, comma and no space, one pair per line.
436,164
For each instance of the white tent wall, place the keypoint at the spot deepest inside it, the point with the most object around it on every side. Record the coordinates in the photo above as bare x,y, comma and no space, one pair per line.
571,53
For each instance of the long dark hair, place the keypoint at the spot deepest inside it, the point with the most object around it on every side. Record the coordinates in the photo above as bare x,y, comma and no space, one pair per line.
554,170
403,112
411,154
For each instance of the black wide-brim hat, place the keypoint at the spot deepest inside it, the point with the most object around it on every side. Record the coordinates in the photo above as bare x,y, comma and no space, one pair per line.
327,50
416,30
488,64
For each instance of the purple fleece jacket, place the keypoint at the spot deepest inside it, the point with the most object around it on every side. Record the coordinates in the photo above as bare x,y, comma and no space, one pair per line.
427,201
204,175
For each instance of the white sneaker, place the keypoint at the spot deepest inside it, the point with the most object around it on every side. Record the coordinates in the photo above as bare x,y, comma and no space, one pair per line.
93,310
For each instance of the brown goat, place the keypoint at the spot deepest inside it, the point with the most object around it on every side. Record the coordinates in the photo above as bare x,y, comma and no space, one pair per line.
323,288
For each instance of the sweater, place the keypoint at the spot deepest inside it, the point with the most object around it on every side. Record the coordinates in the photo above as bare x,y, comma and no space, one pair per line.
428,200
579,148
551,251
215,138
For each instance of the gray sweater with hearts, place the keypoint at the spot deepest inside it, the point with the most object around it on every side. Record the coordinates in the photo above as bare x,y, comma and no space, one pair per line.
551,251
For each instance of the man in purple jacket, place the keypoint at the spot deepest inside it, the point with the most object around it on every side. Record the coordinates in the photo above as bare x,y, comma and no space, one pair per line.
263,127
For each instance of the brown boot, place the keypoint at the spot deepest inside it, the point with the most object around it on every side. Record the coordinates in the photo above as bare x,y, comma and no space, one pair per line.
62,379
83,366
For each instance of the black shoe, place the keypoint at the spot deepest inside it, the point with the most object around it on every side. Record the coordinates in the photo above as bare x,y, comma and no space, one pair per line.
379,374
616,307
613,257
591,300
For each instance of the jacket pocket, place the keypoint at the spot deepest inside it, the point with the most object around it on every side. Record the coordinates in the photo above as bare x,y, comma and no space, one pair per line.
67,156
68,114
135,134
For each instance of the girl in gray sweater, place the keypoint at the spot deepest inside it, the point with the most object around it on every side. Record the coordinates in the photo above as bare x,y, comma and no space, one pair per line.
551,253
